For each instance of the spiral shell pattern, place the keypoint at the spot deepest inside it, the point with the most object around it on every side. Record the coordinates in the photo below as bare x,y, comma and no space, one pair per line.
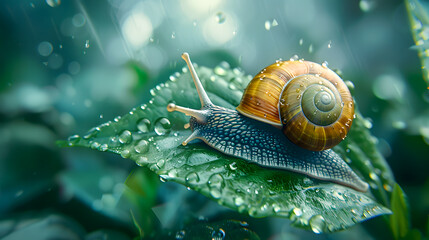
310,101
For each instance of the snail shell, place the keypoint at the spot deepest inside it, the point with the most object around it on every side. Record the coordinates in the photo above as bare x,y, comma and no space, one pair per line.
310,102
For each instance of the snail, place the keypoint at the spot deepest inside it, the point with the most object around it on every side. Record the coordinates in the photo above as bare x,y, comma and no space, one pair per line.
309,102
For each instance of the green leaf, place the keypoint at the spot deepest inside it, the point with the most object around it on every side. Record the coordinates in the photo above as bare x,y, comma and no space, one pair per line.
418,14
151,136
399,219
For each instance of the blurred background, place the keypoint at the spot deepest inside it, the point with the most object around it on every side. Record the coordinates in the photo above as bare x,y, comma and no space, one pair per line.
67,66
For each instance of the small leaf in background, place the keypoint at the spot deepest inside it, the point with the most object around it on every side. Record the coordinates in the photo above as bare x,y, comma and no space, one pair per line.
399,220
151,136
419,20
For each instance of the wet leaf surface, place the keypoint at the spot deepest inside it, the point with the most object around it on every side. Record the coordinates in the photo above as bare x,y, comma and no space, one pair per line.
151,136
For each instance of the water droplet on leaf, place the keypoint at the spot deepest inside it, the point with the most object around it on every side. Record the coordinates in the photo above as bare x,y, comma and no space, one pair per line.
192,178
162,126
103,147
218,234
125,153
125,137
317,224
142,146
143,125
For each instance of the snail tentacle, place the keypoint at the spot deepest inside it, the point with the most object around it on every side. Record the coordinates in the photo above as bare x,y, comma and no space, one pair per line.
205,100
194,135
200,115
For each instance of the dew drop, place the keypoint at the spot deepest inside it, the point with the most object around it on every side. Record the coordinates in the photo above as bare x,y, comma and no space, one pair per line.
143,125
125,153
180,234
87,44
141,161
329,44
232,86
142,146
237,71
53,3
238,201
367,5
338,195
192,178
162,179
219,70
325,64
276,208
95,145
310,48
74,139
160,163
125,137
301,41
172,173
216,193
216,183
92,133
274,23
220,17
173,35
350,84
373,176
103,147
294,58
296,212
387,187
267,25
162,126
367,123
218,234
317,224
233,166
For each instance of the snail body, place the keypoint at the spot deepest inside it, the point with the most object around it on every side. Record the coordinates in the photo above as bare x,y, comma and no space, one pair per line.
252,131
